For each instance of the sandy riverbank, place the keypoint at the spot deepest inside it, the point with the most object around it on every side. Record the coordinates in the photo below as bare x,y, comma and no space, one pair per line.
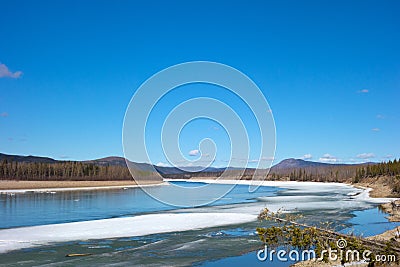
380,186
9,185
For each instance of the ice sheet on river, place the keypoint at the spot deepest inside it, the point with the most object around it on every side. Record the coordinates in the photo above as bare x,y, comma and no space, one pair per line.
24,237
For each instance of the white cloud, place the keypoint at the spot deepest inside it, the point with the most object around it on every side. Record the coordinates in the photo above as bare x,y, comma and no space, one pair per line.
4,114
5,72
307,156
380,116
328,158
194,152
375,129
389,156
162,164
366,156
353,161
363,91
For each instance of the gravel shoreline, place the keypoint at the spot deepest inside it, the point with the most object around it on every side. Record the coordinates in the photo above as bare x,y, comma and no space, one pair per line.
9,186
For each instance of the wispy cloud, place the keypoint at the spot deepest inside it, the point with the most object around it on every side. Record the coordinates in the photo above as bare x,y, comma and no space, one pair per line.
268,158
366,156
4,114
380,116
194,152
328,158
307,156
363,91
16,139
388,156
375,129
5,72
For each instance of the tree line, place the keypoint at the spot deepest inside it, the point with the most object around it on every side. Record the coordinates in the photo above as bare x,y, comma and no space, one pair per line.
75,170
390,168
68,170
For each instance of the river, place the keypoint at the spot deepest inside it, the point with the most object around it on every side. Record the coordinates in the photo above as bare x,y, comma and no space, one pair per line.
127,227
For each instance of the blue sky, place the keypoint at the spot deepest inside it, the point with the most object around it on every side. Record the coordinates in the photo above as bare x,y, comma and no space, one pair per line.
330,71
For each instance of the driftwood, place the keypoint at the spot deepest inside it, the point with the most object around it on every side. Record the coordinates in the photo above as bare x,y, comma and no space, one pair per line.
369,243
78,254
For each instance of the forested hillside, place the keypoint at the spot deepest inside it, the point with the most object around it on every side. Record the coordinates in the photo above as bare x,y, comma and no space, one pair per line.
301,170
68,170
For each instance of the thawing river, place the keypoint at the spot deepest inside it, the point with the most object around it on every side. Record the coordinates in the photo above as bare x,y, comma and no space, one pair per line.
126,227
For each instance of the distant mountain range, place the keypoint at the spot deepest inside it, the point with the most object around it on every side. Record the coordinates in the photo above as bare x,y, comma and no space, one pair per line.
299,163
283,167
27,159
